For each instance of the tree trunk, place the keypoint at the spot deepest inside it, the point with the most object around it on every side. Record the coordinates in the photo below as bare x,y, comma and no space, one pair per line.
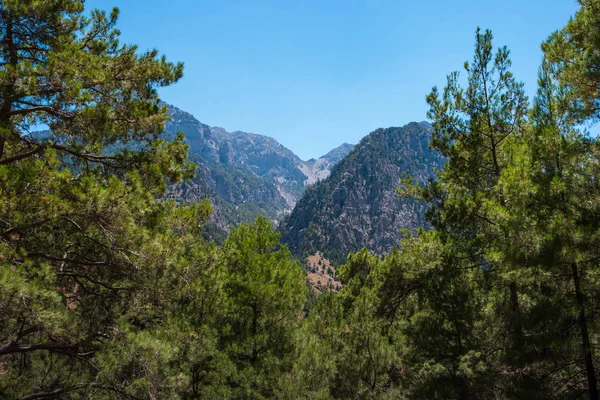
585,337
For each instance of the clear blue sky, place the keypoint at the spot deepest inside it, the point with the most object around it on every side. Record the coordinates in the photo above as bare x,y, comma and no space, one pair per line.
316,73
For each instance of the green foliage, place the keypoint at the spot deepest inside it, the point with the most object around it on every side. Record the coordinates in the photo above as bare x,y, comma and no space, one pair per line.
109,291
498,301
80,229
574,52
265,295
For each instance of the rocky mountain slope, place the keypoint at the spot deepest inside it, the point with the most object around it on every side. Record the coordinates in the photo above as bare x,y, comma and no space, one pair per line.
320,168
244,174
357,204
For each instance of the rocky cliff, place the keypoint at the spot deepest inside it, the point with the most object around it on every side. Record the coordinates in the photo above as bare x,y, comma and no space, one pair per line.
244,174
357,205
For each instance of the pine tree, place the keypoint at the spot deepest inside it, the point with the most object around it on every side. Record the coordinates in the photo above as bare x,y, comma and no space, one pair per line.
265,293
80,231
575,53
564,203
477,129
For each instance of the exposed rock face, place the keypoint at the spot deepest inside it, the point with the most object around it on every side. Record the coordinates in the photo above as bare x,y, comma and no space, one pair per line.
320,168
244,174
357,205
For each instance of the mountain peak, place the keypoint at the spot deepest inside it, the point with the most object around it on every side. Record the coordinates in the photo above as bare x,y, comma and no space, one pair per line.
248,173
357,205
339,152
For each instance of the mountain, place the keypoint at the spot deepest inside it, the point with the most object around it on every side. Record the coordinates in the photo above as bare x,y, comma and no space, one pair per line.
357,205
244,174
320,168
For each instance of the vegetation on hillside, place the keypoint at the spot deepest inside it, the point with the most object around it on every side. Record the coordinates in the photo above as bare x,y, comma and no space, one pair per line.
109,291
357,206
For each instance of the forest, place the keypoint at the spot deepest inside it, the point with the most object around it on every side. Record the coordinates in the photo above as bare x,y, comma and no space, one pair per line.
110,291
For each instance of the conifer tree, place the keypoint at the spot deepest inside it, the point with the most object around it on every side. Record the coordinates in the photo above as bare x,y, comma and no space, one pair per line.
574,52
81,234
265,293
476,128
563,200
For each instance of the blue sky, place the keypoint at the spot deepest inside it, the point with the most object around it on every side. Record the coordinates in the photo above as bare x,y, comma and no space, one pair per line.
316,73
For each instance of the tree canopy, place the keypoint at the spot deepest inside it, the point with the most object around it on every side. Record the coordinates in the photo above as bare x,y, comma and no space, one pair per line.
107,290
